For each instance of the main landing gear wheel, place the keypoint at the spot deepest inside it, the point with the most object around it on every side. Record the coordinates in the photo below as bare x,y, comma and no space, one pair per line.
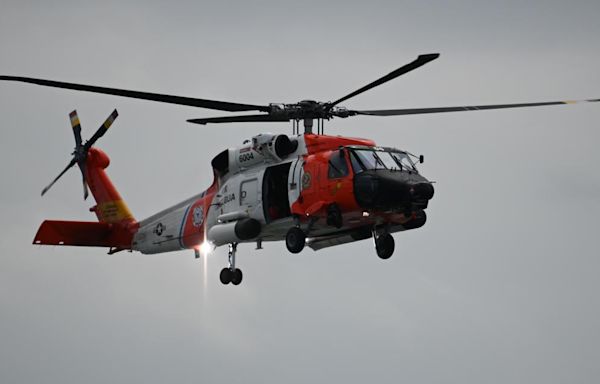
231,274
225,276
236,276
384,245
295,240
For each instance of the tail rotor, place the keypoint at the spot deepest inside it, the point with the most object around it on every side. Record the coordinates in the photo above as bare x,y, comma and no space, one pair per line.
81,150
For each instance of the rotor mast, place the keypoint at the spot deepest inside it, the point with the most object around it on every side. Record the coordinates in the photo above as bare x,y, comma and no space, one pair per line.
308,124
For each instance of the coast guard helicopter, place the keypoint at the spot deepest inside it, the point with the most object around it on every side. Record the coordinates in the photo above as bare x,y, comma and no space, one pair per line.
307,189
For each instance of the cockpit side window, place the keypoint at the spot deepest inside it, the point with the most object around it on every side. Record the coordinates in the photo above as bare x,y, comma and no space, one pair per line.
338,167
357,166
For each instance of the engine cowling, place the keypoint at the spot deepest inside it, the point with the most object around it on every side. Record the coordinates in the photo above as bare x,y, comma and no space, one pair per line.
262,148
283,146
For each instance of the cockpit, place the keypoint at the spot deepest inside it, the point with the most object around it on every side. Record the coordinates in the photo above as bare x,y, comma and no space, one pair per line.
364,159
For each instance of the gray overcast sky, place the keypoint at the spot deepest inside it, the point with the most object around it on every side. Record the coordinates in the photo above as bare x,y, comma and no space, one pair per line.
500,285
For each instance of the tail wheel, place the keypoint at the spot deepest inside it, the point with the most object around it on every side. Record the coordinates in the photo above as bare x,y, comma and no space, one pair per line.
295,240
385,246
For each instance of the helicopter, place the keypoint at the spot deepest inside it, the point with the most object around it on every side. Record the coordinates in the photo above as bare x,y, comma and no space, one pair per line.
307,189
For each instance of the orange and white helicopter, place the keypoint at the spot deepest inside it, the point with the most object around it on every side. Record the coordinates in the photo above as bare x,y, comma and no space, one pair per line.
307,189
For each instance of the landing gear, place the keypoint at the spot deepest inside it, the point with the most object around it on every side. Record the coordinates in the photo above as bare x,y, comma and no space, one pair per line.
295,240
384,244
231,274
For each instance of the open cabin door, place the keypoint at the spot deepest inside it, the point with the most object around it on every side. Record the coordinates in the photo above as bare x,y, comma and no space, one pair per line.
276,204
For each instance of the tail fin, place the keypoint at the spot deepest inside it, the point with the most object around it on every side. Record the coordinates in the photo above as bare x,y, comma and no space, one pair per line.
110,206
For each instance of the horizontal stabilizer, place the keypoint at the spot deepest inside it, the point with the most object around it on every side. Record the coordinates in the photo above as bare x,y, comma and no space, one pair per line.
82,233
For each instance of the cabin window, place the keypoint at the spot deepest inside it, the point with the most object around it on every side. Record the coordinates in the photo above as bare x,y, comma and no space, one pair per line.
338,167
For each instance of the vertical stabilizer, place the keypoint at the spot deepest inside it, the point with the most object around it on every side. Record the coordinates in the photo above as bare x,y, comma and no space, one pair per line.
110,206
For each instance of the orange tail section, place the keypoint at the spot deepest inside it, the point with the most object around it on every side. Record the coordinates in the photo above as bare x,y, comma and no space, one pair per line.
116,225
110,207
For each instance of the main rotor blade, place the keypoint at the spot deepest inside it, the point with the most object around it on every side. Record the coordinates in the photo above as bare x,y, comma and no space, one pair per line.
181,100
102,130
416,111
76,128
72,163
420,61
239,119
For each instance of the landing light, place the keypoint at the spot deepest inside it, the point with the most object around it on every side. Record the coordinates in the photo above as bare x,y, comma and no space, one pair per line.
206,248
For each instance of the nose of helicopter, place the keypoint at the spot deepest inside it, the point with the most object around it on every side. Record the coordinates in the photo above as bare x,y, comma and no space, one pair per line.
383,189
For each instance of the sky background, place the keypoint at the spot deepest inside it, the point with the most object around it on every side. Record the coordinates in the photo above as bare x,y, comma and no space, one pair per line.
499,286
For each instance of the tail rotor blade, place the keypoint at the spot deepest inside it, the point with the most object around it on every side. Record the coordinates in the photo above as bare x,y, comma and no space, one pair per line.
102,130
72,163
85,190
76,128
82,168
85,187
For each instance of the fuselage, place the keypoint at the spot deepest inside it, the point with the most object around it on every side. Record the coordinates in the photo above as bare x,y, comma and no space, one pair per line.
337,188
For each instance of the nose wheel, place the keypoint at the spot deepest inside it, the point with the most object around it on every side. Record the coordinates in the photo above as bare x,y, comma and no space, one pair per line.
384,245
231,274
295,239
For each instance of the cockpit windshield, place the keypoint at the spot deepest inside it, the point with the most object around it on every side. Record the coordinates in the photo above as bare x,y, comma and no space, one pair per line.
367,159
